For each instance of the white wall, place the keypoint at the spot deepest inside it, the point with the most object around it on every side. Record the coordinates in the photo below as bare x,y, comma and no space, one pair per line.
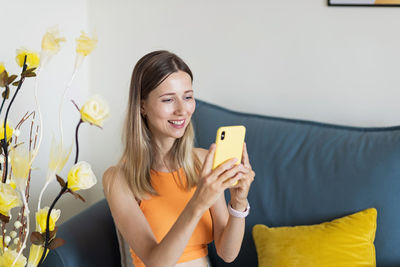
296,59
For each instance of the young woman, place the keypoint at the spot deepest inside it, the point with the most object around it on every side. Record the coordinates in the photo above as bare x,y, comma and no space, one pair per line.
165,199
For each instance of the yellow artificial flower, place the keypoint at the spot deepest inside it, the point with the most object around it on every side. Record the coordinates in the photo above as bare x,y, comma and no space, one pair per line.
32,58
20,161
95,111
81,176
58,156
9,131
41,217
13,184
51,41
9,199
35,253
2,68
85,45
9,256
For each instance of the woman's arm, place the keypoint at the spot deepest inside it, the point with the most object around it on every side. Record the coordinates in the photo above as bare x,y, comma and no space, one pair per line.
229,230
135,229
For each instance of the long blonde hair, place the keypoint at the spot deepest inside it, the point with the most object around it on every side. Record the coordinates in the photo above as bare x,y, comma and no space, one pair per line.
138,156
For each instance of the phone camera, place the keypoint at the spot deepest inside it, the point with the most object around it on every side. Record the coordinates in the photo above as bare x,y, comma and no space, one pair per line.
223,135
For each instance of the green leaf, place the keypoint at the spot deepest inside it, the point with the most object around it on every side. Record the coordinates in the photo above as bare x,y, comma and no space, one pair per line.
15,83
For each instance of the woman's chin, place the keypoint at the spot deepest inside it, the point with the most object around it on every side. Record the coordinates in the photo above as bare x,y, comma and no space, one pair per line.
178,133
177,136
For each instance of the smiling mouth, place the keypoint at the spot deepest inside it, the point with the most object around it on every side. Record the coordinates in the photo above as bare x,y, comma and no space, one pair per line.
177,122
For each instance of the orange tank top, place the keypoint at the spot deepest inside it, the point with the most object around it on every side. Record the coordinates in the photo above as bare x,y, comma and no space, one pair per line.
163,210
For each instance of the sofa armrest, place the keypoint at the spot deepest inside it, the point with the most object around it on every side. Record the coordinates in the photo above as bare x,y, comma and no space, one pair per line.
90,240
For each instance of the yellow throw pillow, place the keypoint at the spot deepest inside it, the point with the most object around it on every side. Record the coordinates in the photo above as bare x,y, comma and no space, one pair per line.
347,241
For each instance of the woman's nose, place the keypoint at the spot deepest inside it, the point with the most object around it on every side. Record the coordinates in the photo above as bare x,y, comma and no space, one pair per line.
179,107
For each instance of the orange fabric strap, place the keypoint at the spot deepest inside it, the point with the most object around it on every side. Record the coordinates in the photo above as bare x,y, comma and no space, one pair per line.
162,212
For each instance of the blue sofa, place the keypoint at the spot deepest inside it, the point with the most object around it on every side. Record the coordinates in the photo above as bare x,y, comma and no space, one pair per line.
306,173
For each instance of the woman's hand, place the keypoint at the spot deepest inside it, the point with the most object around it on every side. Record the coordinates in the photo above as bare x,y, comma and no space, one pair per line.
213,183
240,190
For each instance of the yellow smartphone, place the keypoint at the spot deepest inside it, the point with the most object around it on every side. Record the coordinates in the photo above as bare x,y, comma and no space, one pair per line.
229,144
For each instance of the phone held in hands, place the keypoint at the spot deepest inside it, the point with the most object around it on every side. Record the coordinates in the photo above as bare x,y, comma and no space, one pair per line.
229,144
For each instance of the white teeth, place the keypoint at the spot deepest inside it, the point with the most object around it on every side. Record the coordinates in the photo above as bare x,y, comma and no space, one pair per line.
177,122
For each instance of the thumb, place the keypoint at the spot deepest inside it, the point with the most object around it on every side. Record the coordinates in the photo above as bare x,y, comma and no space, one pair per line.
209,160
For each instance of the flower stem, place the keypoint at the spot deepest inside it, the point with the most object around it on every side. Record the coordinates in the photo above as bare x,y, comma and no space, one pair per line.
41,193
4,98
76,141
3,226
61,130
26,228
35,151
46,242
4,143
61,105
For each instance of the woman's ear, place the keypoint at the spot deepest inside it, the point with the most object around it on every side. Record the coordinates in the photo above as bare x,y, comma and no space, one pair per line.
142,111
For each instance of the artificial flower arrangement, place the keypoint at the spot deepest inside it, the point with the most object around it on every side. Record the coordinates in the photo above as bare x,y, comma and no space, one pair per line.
17,157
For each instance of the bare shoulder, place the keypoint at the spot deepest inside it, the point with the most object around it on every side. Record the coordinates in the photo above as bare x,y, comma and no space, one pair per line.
127,215
201,153
112,176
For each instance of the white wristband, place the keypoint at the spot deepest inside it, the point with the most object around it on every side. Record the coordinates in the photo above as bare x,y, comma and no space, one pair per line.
238,214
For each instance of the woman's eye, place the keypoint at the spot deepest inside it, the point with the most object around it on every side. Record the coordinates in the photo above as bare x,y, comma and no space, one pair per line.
189,97
167,100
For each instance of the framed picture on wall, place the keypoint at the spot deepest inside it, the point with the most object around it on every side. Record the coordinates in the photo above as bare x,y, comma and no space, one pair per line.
364,3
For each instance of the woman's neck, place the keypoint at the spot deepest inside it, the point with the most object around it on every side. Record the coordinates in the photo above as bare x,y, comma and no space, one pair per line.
162,154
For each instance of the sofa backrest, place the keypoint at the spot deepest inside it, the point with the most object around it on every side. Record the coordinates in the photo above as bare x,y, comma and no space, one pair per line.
90,238
308,173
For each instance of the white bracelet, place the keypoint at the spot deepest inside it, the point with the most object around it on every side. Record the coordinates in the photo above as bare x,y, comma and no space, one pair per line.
236,213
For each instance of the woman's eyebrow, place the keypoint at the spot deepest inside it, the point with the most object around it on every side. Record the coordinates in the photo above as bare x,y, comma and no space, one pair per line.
188,91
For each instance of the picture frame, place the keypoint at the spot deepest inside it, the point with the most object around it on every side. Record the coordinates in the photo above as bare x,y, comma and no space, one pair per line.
377,3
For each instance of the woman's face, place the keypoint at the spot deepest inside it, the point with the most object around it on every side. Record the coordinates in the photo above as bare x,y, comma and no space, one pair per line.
169,107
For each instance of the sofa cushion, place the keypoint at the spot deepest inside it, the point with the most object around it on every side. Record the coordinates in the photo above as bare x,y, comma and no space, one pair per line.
309,172
347,241
90,240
